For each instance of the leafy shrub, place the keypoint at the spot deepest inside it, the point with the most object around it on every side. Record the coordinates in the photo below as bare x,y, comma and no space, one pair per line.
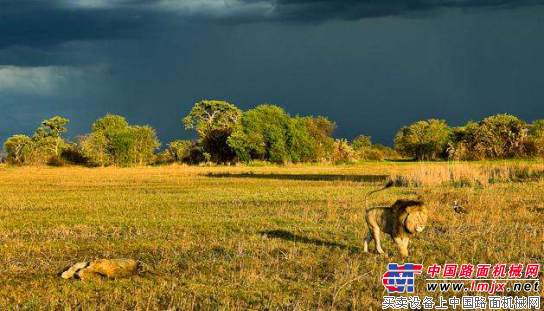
343,153
46,142
180,150
499,136
268,133
114,142
20,150
534,145
424,140
365,150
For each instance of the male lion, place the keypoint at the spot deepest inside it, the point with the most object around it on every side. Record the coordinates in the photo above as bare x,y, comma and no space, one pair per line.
110,268
401,220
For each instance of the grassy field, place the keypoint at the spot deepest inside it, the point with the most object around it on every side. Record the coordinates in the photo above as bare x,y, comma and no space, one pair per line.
249,237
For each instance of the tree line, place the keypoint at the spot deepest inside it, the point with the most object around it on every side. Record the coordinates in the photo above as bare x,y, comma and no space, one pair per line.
267,133
495,137
226,134
112,141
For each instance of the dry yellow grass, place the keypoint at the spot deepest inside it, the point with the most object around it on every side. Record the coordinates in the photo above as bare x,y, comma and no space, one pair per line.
245,237
467,174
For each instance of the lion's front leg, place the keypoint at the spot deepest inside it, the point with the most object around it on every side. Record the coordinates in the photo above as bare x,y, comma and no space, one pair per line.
402,243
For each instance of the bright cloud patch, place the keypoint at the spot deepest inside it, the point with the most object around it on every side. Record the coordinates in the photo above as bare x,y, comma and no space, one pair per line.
37,80
297,10
219,8
216,8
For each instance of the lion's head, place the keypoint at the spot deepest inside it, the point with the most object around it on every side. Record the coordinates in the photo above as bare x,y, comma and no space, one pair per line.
412,215
416,221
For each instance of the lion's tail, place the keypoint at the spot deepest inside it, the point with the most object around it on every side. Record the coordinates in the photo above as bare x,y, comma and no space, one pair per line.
388,185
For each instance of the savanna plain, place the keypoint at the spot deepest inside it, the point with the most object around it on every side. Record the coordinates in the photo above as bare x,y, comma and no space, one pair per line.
251,237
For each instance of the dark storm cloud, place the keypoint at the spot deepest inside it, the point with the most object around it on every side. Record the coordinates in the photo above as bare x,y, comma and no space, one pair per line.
42,23
71,58
318,10
38,23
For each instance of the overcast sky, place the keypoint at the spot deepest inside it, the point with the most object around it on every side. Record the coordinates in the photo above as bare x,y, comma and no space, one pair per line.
371,66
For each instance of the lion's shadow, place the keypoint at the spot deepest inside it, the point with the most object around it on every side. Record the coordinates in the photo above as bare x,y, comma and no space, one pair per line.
289,236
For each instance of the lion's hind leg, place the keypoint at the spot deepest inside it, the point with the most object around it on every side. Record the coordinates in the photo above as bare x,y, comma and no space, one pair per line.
88,272
376,234
73,270
368,239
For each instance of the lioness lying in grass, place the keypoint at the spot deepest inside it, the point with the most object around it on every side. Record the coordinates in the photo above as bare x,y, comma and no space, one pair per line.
109,268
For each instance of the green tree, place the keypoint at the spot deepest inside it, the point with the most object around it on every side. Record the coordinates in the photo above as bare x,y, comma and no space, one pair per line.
380,152
320,129
239,142
361,142
343,153
94,146
214,121
535,140
48,136
263,135
268,133
108,142
145,143
110,123
181,151
20,150
462,143
114,142
498,136
122,146
501,136
364,149
300,141
537,128
424,140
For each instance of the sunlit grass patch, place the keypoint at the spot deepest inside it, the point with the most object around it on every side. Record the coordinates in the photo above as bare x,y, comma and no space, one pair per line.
248,237
469,174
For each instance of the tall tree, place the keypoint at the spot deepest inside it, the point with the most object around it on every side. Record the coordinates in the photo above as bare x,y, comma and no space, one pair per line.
320,129
300,142
48,135
20,149
114,141
263,135
94,147
214,121
110,123
499,136
424,140
145,143
536,138
181,150
361,142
